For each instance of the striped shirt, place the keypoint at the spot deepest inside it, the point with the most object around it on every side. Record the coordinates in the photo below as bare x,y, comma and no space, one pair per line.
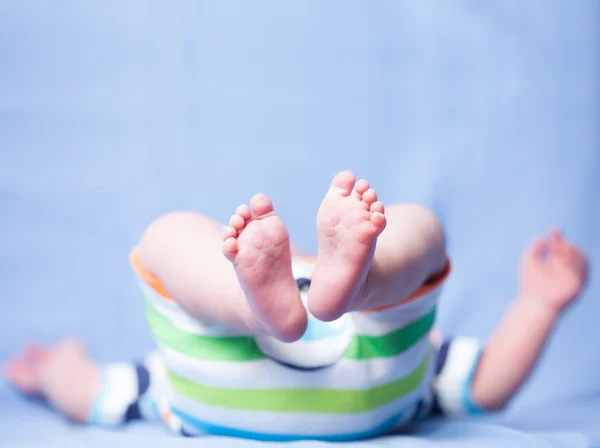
222,382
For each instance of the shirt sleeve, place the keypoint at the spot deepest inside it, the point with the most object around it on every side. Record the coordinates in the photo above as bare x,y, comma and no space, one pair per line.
456,363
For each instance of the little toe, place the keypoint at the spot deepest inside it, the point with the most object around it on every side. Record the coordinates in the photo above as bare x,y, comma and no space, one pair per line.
244,211
260,205
378,220
230,247
342,183
377,206
369,196
237,222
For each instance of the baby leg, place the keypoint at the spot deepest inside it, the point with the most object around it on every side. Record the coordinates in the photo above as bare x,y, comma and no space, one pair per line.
360,265
83,391
239,277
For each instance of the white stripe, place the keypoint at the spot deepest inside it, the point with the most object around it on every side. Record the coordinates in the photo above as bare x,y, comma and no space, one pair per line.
451,382
119,390
297,423
158,374
178,317
266,373
301,269
386,321
306,353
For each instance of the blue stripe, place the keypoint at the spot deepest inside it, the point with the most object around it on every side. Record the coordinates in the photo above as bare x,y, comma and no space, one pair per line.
95,414
467,400
209,428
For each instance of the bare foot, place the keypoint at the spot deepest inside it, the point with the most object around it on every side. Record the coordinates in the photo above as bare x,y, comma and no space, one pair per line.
64,375
348,224
24,370
258,245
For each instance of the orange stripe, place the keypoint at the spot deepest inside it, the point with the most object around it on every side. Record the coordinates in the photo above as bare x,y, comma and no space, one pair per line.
151,280
304,260
430,285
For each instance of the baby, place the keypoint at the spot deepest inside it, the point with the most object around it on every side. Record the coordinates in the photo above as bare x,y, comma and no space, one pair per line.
257,342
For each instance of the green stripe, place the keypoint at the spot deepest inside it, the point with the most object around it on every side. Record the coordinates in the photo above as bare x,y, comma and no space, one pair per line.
244,348
391,344
208,348
333,401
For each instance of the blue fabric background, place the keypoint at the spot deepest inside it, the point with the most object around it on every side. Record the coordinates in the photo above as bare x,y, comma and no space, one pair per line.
114,112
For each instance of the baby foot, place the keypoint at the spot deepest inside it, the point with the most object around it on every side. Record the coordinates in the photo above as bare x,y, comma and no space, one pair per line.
258,245
24,370
348,224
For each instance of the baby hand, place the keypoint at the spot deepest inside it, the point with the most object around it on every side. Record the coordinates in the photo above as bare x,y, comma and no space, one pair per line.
553,271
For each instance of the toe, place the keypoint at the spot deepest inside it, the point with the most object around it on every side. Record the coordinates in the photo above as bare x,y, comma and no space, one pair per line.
260,205
361,186
230,247
378,220
229,232
369,196
377,207
237,222
244,211
343,182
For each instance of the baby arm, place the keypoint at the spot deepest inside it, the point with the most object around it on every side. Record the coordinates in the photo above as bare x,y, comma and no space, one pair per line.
553,274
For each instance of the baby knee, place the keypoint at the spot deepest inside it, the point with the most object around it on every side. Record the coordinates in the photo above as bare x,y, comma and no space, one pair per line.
421,219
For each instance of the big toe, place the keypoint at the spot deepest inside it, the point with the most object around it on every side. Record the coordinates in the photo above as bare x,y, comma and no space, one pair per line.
260,205
343,182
